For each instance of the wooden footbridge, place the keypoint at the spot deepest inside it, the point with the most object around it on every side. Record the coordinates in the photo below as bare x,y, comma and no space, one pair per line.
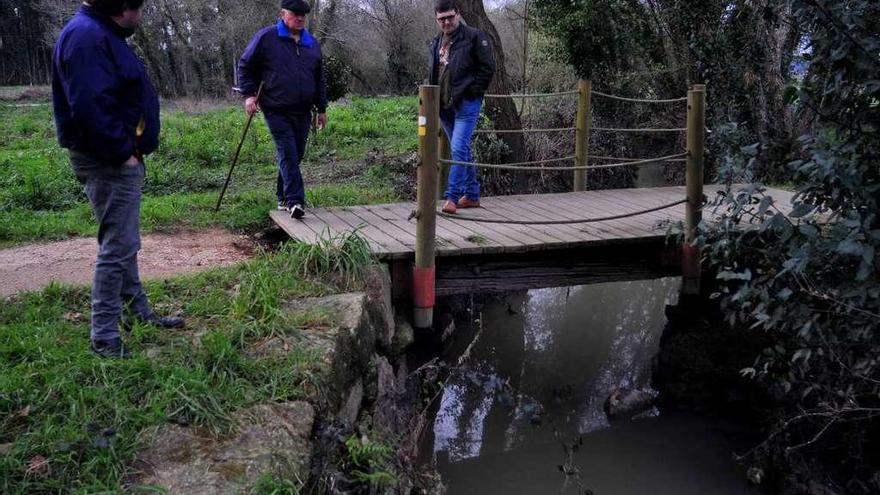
537,240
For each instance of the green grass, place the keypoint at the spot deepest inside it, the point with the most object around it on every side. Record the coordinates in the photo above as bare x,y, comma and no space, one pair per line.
40,199
83,415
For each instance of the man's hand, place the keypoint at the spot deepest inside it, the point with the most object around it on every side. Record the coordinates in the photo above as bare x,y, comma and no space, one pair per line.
251,106
132,161
322,120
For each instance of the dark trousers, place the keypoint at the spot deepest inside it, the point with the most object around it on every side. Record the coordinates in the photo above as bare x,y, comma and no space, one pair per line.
289,131
114,192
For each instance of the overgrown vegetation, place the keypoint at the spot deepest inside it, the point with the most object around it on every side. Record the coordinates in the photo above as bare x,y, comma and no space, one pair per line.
41,199
369,462
69,422
809,279
794,99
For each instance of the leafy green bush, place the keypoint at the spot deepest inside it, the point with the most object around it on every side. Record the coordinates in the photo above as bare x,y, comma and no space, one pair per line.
338,77
811,278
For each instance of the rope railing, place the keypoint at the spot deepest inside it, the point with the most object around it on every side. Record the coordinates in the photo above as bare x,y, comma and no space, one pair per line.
637,100
561,222
513,166
431,181
522,165
642,129
533,95
624,159
512,131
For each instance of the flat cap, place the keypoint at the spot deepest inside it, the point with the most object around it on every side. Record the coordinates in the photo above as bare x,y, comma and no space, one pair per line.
299,6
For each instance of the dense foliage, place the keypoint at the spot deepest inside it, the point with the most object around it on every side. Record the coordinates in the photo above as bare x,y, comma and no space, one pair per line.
810,277
794,95
742,50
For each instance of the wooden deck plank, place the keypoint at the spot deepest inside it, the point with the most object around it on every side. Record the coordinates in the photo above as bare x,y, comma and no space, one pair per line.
549,212
391,235
296,229
401,235
617,205
449,240
503,208
561,206
570,231
516,209
504,237
503,240
372,231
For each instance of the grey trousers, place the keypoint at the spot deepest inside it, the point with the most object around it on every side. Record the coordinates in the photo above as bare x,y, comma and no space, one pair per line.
114,192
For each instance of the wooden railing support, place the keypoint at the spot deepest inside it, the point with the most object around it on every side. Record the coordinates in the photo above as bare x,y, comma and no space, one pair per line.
445,153
426,206
696,139
582,134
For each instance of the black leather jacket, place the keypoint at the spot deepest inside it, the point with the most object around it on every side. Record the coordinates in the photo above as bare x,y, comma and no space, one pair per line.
471,64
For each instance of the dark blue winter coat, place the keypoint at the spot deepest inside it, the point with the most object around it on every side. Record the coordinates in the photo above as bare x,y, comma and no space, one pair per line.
292,73
101,91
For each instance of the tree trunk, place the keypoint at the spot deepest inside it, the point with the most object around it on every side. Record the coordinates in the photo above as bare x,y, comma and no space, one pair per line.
501,111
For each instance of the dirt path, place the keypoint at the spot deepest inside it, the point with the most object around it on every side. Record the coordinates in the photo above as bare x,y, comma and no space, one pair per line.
73,261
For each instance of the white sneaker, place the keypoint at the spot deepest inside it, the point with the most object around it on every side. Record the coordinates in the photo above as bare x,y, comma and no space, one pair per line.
281,206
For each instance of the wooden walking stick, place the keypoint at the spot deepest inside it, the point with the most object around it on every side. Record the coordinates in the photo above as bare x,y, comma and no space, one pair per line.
238,150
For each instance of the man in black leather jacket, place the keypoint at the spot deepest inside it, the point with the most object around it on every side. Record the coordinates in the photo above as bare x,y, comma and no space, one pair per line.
462,64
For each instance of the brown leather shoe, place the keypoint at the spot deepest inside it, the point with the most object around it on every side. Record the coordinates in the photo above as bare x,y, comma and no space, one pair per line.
449,207
465,202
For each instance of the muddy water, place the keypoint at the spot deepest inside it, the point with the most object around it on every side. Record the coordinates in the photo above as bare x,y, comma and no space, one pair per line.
524,414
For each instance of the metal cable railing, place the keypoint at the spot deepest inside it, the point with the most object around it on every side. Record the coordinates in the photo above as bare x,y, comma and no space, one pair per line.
561,222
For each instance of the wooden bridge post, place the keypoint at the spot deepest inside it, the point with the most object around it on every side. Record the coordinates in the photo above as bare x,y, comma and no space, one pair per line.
696,138
445,153
426,206
582,134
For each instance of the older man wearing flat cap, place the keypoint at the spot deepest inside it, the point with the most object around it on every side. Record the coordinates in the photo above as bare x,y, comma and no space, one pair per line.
287,60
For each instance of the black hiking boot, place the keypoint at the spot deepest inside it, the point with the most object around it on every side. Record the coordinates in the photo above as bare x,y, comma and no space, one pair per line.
163,321
297,211
112,349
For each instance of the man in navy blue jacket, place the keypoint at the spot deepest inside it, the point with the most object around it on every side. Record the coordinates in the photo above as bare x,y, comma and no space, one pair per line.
107,116
287,59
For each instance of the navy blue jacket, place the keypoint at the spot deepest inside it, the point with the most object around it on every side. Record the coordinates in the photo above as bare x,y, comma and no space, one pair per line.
101,91
292,73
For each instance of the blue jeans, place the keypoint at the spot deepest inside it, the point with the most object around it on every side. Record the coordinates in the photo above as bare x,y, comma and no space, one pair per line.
289,130
114,192
459,124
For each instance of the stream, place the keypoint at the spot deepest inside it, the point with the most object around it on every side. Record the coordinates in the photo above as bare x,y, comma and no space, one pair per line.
524,413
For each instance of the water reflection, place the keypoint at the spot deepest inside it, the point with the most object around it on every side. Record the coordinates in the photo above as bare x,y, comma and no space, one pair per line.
539,375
